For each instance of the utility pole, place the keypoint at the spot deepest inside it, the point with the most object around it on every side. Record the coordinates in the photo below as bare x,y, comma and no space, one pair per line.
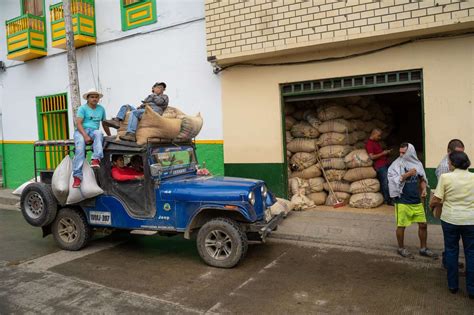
71,59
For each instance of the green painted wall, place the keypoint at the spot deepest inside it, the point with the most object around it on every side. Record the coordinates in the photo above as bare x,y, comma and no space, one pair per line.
213,155
18,164
274,175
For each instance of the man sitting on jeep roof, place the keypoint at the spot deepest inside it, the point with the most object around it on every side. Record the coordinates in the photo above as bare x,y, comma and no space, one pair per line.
122,173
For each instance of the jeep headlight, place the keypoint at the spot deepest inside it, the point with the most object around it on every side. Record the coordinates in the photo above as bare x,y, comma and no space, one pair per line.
264,191
251,197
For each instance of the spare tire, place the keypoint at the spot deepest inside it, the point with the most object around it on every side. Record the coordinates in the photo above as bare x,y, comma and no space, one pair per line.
38,205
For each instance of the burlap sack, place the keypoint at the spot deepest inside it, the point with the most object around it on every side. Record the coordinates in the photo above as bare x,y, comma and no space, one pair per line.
298,185
333,163
334,151
359,145
333,111
153,125
190,127
307,173
301,202
282,205
358,135
369,126
335,175
319,198
341,186
380,124
316,184
123,125
299,114
288,155
302,145
333,138
376,111
289,137
289,122
341,197
366,200
304,130
301,160
335,125
356,111
313,120
173,112
357,124
368,115
359,173
358,158
365,185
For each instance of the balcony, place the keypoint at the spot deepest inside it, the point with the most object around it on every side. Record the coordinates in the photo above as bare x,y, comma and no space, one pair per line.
83,20
26,37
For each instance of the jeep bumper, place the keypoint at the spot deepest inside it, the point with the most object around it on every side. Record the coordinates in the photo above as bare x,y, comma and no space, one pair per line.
265,228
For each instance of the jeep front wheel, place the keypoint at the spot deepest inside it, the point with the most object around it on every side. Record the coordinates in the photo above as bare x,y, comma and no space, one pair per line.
221,243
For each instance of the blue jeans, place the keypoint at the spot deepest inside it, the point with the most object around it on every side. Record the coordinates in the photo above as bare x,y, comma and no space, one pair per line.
452,233
80,149
135,116
383,179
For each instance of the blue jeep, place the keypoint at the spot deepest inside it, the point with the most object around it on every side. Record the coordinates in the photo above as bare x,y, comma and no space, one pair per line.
222,213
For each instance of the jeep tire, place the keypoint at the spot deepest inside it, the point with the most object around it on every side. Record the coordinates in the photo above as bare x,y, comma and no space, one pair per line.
221,243
38,205
70,229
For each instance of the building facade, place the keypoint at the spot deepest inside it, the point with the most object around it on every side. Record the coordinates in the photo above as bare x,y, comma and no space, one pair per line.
272,53
123,48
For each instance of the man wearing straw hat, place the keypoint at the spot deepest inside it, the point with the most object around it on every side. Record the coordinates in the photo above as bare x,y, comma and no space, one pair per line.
87,131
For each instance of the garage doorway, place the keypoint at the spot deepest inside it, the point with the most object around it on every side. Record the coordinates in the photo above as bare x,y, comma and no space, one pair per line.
391,101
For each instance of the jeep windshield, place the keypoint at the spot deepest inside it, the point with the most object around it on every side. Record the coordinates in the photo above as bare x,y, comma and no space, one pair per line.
172,161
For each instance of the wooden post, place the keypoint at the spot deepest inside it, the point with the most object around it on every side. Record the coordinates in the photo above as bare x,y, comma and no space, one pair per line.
71,59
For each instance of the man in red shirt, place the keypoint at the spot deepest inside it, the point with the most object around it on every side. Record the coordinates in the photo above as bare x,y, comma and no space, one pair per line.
381,163
122,173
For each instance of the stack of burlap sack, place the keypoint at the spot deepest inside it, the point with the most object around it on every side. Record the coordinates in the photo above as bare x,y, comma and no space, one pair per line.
337,131
172,125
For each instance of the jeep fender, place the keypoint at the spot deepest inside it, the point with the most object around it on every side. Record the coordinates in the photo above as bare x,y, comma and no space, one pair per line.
207,212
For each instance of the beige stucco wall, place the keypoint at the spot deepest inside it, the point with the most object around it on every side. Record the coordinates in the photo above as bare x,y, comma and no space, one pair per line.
240,29
252,105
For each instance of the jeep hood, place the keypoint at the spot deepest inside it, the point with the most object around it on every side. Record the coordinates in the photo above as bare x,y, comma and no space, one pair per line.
207,188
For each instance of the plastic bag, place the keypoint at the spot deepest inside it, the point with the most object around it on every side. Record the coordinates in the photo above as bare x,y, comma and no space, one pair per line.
60,181
88,189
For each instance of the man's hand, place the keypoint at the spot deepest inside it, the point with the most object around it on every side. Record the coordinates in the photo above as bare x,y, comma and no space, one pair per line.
411,172
387,152
423,193
88,139
140,177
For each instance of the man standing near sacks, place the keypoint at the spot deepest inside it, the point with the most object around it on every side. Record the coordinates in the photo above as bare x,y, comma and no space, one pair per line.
443,167
407,185
381,163
158,102
87,131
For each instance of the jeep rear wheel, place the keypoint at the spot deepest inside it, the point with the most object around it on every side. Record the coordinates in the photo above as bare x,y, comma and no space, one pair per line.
70,229
221,243
38,204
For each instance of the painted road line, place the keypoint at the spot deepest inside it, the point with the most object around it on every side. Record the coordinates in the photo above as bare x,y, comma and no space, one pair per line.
49,261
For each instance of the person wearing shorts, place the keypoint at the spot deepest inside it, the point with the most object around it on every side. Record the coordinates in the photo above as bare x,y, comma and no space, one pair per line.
407,185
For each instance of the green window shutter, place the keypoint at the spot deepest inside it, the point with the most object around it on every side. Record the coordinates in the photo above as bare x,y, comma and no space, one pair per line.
137,13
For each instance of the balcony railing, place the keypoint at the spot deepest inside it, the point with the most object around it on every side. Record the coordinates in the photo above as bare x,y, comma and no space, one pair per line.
83,20
26,37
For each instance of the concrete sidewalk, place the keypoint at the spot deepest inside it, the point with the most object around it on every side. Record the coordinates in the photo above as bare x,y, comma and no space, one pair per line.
368,229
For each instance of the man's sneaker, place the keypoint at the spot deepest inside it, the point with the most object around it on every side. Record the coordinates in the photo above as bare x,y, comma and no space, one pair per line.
405,253
113,123
428,253
129,136
95,163
76,183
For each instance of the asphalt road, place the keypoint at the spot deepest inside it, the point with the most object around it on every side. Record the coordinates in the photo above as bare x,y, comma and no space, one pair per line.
165,275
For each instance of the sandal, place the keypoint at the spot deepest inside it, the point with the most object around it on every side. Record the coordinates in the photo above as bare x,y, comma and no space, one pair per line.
405,253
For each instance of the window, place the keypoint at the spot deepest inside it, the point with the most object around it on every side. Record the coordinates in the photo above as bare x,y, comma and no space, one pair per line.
137,13
35,7
172,161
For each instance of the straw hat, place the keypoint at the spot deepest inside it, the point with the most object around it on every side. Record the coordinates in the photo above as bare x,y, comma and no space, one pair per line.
91,91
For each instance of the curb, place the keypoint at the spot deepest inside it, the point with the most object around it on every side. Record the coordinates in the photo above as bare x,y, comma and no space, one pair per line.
9,200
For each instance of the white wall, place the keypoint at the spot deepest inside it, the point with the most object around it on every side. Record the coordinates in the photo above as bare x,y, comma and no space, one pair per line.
124,69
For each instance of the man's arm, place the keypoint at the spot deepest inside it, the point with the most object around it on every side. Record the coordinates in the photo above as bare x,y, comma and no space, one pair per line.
80,128
376,156
106,129
160,100
408,174
423,187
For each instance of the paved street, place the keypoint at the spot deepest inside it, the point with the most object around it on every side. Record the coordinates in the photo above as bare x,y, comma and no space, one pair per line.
165,275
